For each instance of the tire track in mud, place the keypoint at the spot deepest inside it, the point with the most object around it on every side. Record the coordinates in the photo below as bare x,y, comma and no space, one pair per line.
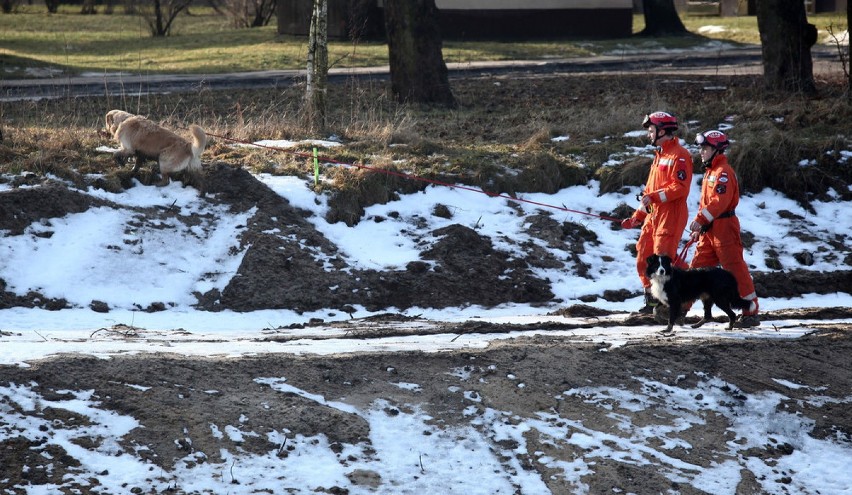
397,325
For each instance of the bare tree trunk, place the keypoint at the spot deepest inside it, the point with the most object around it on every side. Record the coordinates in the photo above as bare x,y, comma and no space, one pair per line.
246,13
160,14
157,26
786,39
661,19
88,8
849,48
264,10
317,81
417,68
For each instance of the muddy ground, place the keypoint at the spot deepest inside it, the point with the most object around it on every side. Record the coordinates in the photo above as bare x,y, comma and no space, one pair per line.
463,258
177,410
176,405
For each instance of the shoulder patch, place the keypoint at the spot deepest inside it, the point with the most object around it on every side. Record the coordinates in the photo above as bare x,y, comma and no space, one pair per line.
681,175
723,177
721,189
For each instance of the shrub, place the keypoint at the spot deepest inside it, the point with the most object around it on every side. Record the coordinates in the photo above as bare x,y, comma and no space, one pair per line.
634,172
784,162
542,172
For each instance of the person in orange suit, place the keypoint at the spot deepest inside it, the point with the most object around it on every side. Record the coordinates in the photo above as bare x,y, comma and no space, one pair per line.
716,226
663,211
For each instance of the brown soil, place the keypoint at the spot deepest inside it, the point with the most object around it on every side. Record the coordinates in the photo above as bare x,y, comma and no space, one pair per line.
179,404
548,365
464,259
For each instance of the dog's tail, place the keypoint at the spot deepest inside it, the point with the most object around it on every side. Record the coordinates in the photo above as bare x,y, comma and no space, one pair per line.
199,142
743,304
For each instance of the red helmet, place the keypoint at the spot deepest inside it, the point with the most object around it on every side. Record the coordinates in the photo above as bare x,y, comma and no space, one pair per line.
715,139
662,120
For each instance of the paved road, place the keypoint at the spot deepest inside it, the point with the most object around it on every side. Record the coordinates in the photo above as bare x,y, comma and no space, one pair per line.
728,61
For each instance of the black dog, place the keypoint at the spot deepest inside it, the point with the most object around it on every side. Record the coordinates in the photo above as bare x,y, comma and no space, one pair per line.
673,286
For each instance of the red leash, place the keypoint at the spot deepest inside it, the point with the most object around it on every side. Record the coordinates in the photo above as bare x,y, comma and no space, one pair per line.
680,261
421,179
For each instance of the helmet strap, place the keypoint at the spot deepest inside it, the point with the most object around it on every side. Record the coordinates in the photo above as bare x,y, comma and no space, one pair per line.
709,161
661,136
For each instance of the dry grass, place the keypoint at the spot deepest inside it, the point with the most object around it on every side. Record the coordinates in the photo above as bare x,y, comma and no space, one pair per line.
765,159
633,172
498,139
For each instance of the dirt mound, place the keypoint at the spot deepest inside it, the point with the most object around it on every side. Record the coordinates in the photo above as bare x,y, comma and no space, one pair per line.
288,264
290,268
794,283
23,206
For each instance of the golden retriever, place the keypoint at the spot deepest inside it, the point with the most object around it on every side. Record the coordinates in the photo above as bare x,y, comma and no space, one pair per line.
144,138
114,118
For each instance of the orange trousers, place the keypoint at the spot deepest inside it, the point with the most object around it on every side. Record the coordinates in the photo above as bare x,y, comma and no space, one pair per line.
722,246
649,243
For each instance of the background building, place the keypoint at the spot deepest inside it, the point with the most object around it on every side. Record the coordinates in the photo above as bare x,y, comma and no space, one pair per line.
474,19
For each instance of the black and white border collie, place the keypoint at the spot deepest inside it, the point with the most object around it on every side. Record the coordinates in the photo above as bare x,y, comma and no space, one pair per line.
673,286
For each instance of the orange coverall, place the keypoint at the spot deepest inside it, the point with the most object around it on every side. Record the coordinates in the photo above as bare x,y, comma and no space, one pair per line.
668,188
721,244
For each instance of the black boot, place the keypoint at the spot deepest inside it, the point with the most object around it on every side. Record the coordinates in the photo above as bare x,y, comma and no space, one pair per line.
747,321
651,302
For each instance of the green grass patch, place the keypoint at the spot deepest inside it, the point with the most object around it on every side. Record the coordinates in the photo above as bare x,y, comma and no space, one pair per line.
205,42
200,43
743,29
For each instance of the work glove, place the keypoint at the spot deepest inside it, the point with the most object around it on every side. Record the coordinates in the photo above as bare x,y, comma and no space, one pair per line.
695,226
629,223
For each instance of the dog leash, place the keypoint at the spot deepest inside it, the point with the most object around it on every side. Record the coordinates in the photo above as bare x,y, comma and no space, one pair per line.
681,258
403,175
